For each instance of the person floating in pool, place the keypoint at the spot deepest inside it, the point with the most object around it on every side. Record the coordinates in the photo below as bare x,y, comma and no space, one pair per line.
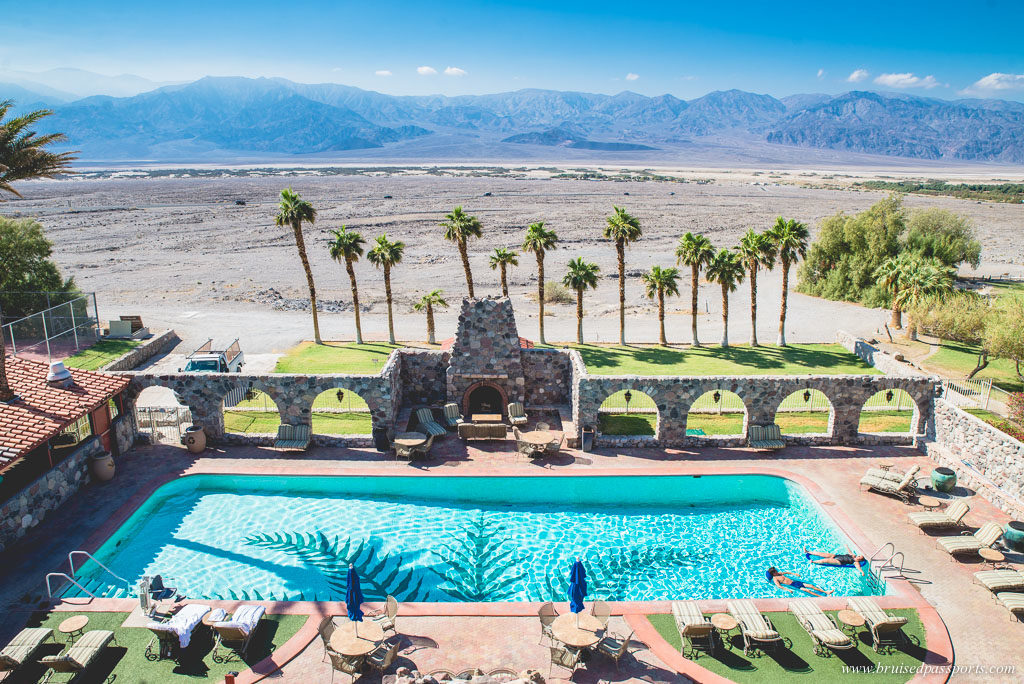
788,580
839,559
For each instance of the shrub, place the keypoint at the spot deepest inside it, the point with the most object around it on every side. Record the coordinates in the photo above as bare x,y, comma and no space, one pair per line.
556,293
1015,407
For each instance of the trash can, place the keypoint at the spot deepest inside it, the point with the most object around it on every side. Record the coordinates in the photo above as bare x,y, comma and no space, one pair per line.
194,439
380,439
588,439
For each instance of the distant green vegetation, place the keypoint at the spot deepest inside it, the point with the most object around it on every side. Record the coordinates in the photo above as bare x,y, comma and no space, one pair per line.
100,354
1001,192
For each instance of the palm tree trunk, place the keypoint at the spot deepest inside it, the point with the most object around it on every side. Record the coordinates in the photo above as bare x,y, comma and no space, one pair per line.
785,302
540,292
5,389
620,250
504,281
694,277
661,318
753,307
430,324
464,253
579,315
897,317
301,245
355,299
725,315
387,295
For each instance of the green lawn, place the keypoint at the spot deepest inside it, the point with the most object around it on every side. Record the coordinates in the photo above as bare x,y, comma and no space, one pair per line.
795,359
266,422
127,661
100,354
336,357
349,401
799,663
633,424
790,422
956,360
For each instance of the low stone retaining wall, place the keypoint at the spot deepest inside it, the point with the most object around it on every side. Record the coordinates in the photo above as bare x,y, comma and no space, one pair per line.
875,357
144,352
267,440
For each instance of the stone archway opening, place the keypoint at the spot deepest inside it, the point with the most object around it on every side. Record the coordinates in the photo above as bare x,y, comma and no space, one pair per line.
629,412
161,415
340,411
805,412
889,411
484,397
717,413
248,410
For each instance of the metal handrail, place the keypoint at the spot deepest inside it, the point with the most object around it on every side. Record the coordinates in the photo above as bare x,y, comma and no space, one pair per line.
877,554
49,588
71,562
889,565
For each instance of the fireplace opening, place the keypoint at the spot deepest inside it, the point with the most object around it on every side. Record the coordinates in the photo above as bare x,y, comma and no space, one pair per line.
485,399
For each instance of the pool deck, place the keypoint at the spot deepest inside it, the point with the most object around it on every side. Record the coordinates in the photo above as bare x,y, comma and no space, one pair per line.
456,636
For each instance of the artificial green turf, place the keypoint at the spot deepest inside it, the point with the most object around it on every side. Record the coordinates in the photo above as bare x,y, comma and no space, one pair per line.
790,422
335,357
127,661
266,422
957,360
635,424
325,400
795,359
799,663
100,354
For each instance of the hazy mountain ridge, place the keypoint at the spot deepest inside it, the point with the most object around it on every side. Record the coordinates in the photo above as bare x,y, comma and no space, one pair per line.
221,116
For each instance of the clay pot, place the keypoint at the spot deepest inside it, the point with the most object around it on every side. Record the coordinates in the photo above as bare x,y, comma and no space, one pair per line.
102,467
194,439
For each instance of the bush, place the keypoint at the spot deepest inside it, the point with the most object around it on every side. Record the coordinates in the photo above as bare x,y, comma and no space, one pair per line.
556,293
1015,407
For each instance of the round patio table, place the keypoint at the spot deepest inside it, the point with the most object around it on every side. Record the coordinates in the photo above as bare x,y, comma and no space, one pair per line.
725,623
73,627
356,638
538,437
583,636
851,621
929,502
992,556
410,439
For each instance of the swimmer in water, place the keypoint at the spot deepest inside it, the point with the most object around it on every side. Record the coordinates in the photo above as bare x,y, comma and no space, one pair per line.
788,580
826,558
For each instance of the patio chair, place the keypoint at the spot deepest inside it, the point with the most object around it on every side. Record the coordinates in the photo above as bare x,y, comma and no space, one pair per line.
1000,580
1012,601
602,611
765,437
902,490
822,630
381,658
175,634
423,450
80,655
20,649
427,424
614,647
758,631
350,665
326,630
452,415
985,537
566,658
236,633
953,516
516,413
547,615
554,446
293,437
387,620
886,630
694,628
883,474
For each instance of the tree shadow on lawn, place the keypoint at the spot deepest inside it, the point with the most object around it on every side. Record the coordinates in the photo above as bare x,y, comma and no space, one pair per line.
762,358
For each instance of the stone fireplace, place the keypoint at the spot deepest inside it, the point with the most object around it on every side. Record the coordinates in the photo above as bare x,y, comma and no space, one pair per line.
486,365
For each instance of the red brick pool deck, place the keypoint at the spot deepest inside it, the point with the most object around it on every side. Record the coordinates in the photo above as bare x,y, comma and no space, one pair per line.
963,623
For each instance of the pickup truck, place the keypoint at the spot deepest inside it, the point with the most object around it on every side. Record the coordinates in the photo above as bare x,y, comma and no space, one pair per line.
206,359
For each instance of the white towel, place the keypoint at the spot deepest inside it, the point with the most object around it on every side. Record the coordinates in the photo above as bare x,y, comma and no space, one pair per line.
183,622
245,618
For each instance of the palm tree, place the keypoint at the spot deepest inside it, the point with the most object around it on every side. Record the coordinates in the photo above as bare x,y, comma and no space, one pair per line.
347,246
622,229
890,275
582,275
757,252
922,279
386,254
294,211
539,240
502,258
459,228
694,251
428,302
727,269
660,282
790,241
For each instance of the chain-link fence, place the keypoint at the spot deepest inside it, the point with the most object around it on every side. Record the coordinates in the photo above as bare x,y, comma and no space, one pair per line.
57,331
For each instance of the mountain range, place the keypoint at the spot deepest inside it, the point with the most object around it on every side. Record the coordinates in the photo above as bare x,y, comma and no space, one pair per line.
231,118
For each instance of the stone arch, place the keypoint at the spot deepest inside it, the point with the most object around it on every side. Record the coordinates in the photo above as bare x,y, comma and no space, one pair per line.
890,410
252,407
371,390
628,411
806,409
716,411
340,411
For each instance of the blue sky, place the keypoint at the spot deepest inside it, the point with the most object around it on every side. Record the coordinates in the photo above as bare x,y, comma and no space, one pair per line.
940,49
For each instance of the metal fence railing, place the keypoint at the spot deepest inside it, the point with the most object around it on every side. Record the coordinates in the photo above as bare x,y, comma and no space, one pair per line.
57,331
728,402
331,401
164,424
973,393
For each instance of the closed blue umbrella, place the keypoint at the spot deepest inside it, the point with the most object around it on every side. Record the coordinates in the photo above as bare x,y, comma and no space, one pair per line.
353,596
577,588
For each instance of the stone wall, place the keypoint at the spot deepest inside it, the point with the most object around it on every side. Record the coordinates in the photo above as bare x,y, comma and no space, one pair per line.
548,375
30,506
124,430
424,377
874,356
144,352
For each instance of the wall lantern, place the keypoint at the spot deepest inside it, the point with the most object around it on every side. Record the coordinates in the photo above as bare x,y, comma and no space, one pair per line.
628,396
340,395
888,396
717,396
807,396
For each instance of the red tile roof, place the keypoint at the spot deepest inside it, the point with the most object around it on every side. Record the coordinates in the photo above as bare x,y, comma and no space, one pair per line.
41,411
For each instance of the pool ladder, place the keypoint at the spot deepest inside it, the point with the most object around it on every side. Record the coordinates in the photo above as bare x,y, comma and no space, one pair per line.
71,577
888,563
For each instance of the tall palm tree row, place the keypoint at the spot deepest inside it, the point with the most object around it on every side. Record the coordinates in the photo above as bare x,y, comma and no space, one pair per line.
727,269
622,229
384,255
501,259
790,239
757,252
427,303
694,251
659,282
540,240
582,275
294,211
459,227
347,247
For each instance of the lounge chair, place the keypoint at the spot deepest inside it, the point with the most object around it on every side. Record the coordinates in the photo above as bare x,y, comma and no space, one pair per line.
822,630
516,413
452,415
387,620
1012,601
79,655
765,437
882,473
295,437
381,658
902,490
1000,580
547,615
237,632
176,633
953,516
985,537
20,649
757,630
427,424
614,646
568,658
694,628
886,630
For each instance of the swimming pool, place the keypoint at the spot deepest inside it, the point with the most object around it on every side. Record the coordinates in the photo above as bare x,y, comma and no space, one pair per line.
641,538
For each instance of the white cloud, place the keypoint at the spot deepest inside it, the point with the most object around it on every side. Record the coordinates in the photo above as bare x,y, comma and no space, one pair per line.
821,73
858,75
454,71
382,72
907,80
995,81
632,77
689,78
426,71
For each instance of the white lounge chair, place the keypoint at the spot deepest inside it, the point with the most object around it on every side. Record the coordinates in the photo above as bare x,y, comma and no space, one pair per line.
1000,580
175,634
886,630
985,537
1012,601
757,630
903,490
953,516
822,630
694,628
79,656
883,474
236,633
21,648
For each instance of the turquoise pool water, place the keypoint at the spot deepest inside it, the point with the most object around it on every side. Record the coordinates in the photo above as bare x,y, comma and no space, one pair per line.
475,538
